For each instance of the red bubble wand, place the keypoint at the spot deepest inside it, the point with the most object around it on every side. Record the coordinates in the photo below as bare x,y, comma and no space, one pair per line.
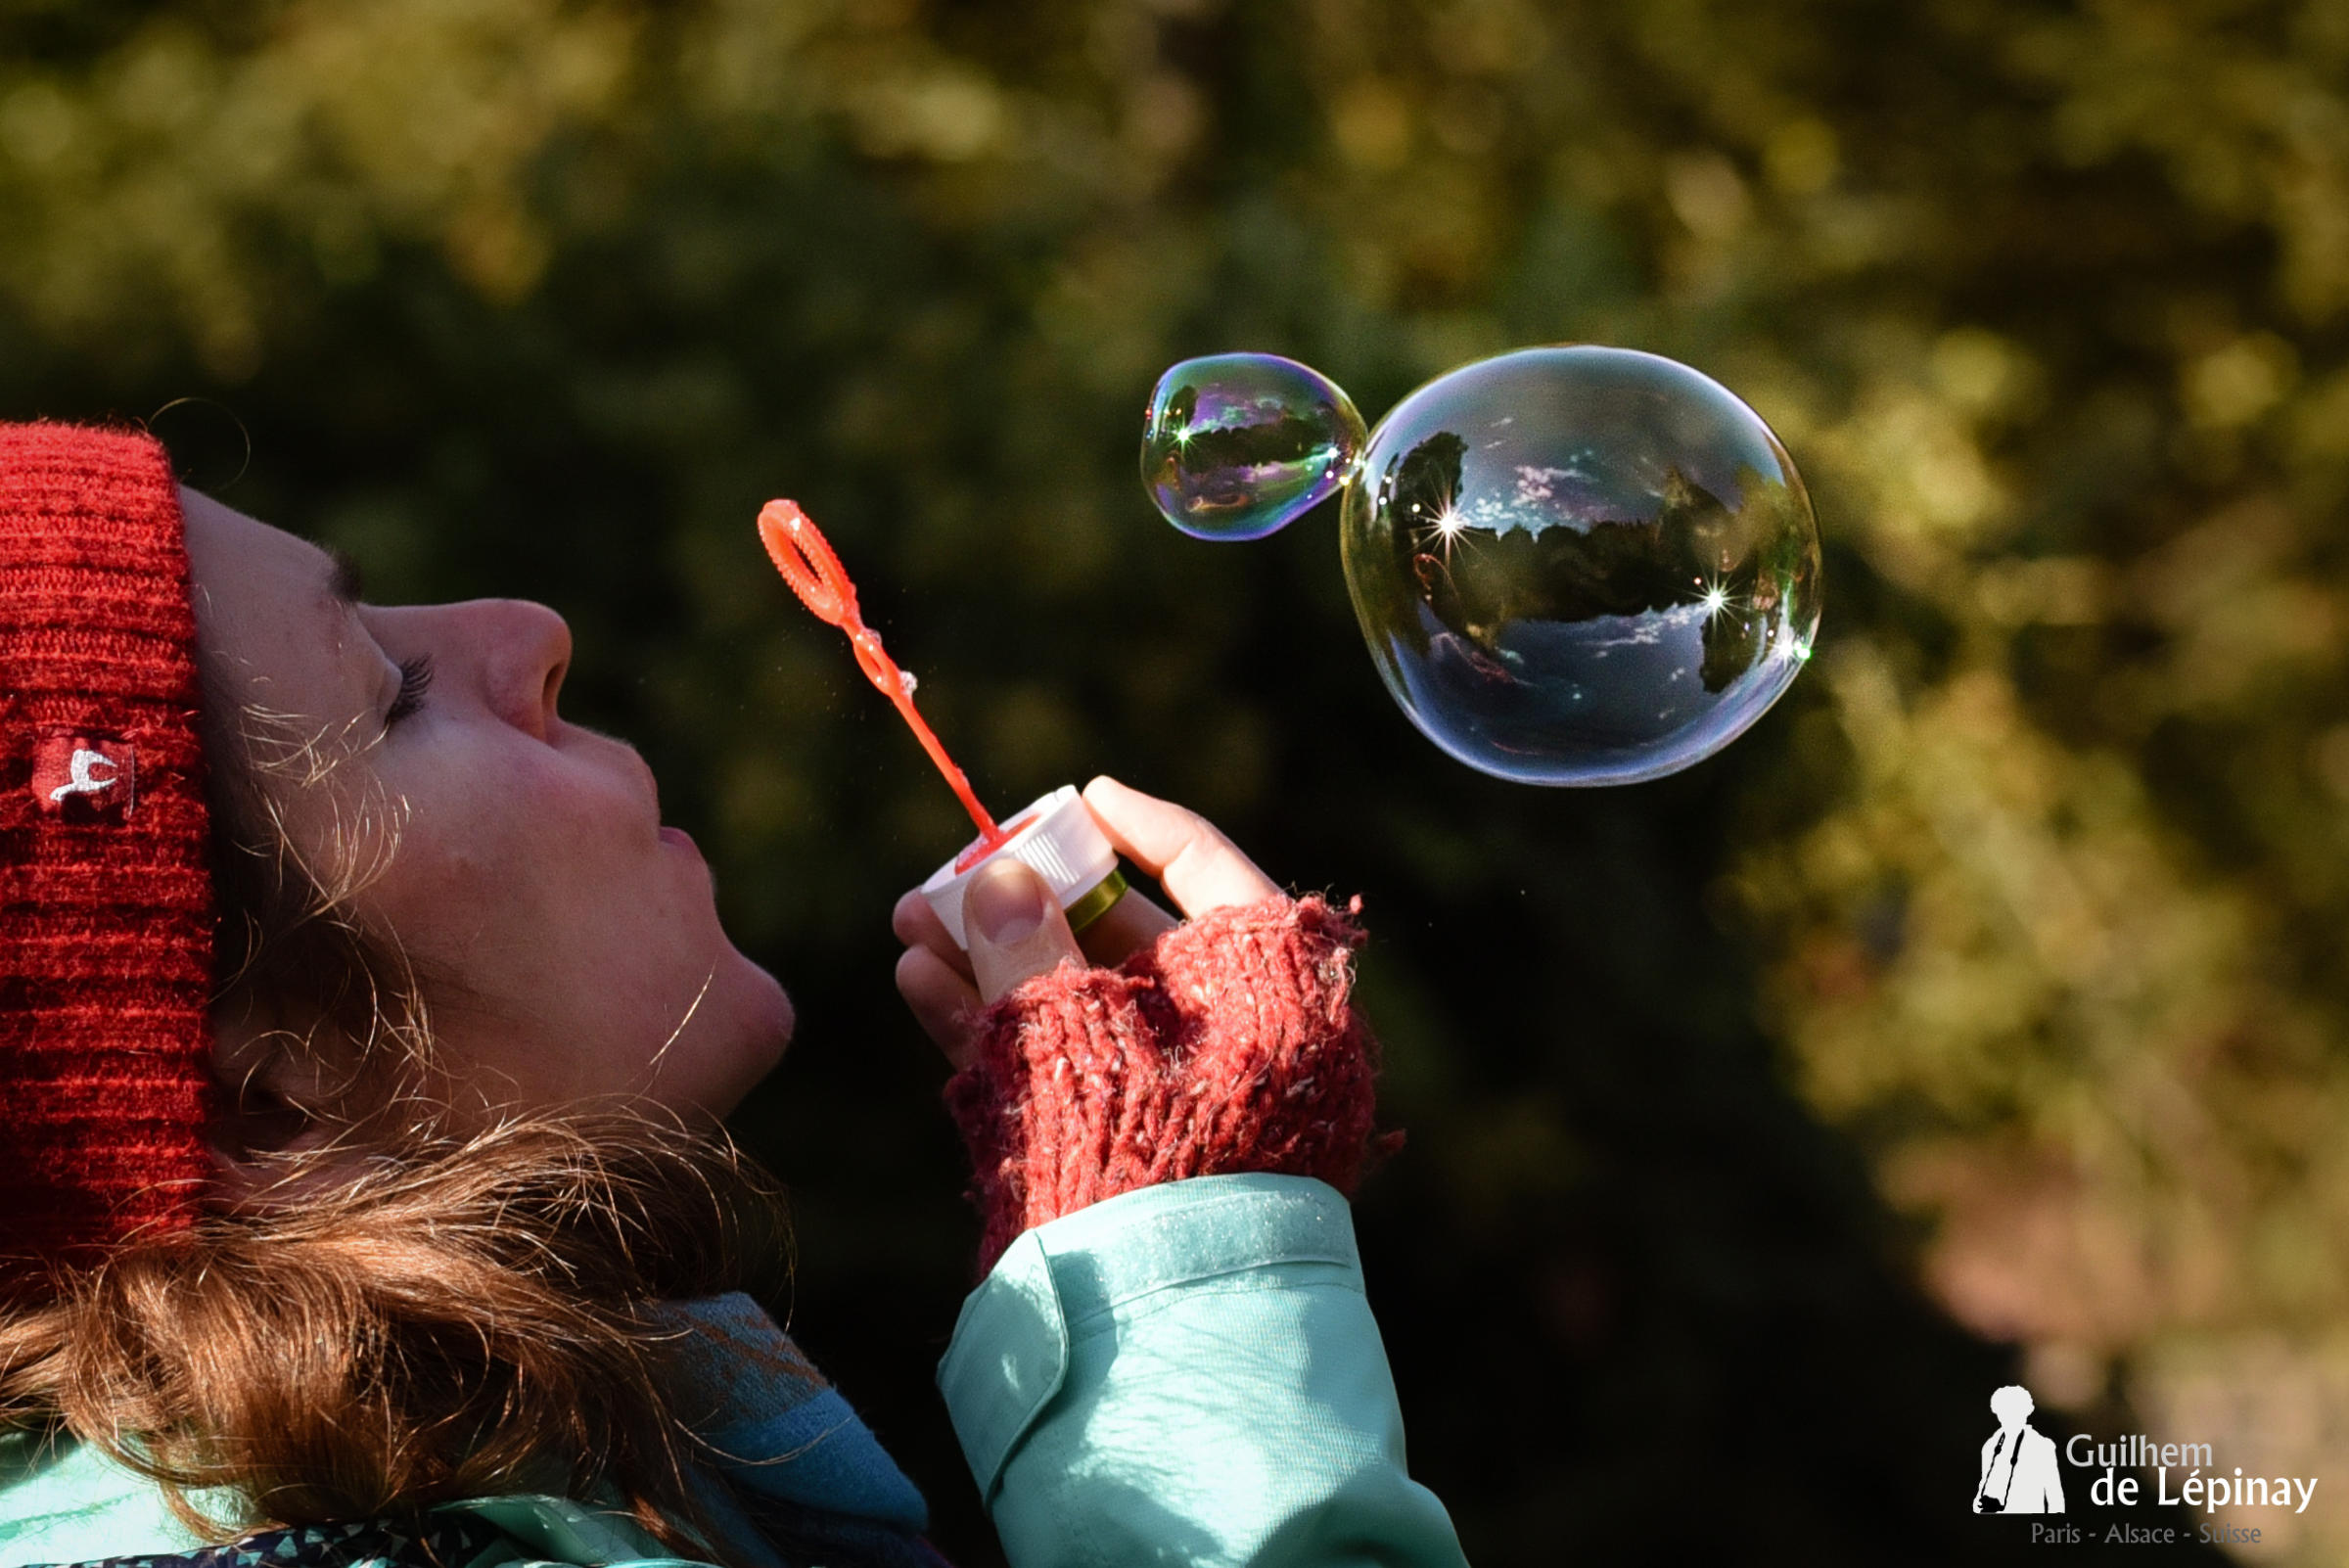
801,554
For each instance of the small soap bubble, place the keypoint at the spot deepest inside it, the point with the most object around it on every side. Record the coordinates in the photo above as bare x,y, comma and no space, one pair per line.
1581,564
906,683
1240,445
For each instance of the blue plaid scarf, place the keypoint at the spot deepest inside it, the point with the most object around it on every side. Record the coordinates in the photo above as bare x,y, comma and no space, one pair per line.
794,1475
789,1479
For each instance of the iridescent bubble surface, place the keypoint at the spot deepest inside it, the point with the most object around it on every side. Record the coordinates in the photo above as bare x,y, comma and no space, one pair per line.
1581,564
1240,445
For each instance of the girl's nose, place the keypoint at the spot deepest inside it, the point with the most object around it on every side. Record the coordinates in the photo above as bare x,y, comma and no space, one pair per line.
526,651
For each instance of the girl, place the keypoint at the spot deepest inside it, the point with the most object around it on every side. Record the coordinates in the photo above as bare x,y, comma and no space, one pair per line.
362,1199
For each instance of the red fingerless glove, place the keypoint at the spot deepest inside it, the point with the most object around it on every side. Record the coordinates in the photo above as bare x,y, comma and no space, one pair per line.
1227,1044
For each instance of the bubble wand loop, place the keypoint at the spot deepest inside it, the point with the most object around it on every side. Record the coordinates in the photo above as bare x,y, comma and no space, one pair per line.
805,559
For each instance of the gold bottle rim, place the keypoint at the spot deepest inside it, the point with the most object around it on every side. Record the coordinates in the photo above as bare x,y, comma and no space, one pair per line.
1098,903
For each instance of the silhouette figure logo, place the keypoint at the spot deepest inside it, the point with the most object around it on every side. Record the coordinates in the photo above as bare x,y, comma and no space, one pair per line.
2018,1463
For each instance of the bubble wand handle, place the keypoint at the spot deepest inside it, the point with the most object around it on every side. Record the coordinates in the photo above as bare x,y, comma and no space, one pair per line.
805,559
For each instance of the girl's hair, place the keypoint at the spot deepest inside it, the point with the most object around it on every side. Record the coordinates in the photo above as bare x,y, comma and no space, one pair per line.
418,1310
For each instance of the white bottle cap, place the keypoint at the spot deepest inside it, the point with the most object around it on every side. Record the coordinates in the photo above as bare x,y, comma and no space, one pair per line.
1055,836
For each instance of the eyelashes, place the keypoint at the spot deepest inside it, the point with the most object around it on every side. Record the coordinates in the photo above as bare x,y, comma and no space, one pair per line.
415,679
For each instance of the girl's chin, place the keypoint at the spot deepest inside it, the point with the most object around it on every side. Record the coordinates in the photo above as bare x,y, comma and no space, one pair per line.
706,1049
781,1017
761,1030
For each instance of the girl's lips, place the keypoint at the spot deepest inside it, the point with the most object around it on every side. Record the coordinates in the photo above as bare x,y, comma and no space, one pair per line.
679,837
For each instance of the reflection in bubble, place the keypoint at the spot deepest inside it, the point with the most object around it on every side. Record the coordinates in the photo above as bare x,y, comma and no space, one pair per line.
1581,566
1238,446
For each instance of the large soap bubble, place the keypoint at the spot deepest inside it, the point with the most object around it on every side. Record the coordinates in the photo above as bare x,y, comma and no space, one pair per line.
1579,565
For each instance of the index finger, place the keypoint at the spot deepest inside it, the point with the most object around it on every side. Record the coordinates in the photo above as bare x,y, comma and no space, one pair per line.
1199,867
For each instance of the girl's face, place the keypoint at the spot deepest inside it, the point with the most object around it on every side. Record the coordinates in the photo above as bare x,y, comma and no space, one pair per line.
569,943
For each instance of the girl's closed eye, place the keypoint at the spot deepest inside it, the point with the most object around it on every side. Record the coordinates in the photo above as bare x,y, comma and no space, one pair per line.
415,679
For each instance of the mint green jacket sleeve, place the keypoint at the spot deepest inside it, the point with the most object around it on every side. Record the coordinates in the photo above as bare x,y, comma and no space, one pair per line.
1190,1374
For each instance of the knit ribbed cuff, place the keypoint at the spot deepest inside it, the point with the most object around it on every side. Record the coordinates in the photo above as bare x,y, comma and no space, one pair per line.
1228,1044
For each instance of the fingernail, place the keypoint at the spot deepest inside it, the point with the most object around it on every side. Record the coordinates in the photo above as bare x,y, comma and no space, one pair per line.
1007,903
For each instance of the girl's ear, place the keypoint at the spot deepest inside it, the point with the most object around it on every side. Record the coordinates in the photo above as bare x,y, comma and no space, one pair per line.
278,1094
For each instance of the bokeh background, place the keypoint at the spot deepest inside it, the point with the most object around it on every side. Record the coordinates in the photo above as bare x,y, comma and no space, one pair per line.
1978,1016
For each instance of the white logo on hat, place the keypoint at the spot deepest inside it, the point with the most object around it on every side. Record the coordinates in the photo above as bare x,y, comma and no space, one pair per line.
81,783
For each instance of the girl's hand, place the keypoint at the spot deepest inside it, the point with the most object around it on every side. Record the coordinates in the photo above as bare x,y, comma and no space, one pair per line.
1017,929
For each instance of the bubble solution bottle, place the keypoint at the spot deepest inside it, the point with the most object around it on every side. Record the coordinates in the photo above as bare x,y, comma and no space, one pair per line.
1054,835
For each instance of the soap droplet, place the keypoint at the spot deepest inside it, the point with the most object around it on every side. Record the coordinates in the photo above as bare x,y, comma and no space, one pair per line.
906,683
1543,547
1240,445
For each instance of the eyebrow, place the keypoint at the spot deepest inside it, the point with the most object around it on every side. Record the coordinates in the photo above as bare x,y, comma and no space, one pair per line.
343,577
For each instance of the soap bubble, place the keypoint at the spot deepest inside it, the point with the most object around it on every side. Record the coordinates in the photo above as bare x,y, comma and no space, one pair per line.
1582,565
1240,445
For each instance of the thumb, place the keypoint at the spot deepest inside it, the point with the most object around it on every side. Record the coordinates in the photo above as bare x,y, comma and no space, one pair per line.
1016,928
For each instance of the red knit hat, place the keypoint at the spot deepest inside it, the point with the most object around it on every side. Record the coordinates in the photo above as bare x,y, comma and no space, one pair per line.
106,901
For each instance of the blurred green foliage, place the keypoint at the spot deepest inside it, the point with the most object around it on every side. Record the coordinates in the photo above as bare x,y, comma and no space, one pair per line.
2006,956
